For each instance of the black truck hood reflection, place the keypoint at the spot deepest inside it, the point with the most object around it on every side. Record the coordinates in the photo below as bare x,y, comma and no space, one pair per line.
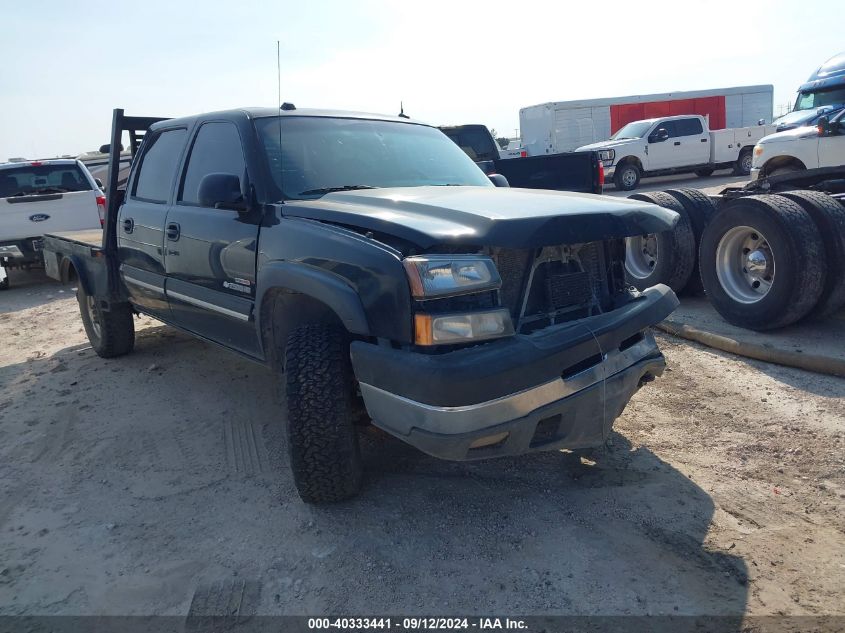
486,216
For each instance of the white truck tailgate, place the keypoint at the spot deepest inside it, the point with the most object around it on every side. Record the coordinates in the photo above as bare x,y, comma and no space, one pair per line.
33,216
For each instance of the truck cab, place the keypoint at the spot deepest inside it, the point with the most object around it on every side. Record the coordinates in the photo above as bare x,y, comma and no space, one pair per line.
653,145
823,94
808,147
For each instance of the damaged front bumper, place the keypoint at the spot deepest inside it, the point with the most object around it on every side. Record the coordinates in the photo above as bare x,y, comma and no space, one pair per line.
561,387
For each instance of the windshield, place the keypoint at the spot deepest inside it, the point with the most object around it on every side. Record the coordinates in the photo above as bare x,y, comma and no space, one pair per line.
819,98
637,129
319,154
33,179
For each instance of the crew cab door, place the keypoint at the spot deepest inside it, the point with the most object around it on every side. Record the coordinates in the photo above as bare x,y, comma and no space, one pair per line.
661,151
210,253
832,146
141,218
692,143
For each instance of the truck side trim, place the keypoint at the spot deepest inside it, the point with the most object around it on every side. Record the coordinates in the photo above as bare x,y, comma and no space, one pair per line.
321,285
208,306
142,284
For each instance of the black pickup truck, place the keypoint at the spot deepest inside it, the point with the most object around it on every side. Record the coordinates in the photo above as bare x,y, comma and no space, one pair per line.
373,265
570,171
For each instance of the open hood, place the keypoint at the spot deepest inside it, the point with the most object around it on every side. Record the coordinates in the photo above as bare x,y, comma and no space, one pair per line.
486,216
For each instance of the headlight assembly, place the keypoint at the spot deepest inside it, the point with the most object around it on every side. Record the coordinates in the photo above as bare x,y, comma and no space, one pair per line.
607,154
432,276
446,329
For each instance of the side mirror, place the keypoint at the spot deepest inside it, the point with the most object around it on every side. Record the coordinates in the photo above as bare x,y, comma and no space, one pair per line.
824,126
222,191
659,135
499,180
100,184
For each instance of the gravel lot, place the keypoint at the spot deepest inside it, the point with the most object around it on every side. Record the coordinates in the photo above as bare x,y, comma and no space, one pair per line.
158,484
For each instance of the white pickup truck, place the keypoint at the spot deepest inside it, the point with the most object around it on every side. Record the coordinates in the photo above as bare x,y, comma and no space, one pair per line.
41,197
675,144
802,148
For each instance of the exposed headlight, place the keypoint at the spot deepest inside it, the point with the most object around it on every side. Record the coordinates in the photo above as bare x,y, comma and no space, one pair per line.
448,275
607,154
758,150
447,329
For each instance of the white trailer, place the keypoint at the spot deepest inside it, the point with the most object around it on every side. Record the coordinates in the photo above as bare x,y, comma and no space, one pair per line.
562,126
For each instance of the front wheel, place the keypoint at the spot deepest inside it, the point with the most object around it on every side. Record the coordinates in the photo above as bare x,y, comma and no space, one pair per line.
742,167
321,409
111,332
626,177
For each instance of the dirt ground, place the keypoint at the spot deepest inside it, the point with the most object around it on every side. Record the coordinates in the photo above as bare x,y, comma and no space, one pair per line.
158,484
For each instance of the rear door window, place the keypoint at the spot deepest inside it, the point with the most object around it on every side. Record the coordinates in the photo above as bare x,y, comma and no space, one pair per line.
36,179
689,127
158,165
216,150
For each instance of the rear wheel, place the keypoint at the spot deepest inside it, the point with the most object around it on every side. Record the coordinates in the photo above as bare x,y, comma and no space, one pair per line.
829,217
700,209
742,166
111,332
762,262
786,169
626,177
322,441
704,173
661,258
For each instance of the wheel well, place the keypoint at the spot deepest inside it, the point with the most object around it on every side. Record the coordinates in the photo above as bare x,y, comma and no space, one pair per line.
630,159
68,271
282,311
781,161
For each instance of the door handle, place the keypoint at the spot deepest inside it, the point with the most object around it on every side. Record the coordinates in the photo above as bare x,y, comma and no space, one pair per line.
172,231
704,140
128,225
677,142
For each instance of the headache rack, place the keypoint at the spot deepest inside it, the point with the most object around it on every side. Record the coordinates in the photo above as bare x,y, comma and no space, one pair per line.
137,127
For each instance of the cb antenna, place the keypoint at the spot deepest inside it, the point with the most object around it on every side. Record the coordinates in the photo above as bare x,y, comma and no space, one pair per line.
402,111
279,73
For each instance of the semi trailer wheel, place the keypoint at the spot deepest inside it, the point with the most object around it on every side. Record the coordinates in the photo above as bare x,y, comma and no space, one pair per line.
322,441
661,258
626,177
762,262
111,332
829,217
700,209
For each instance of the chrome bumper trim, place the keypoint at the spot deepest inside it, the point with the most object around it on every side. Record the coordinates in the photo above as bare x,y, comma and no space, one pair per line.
401,415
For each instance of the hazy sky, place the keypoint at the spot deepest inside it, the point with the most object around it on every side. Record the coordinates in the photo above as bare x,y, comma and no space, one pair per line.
67,64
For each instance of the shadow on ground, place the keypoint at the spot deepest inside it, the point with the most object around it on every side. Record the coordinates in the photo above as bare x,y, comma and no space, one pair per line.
158,482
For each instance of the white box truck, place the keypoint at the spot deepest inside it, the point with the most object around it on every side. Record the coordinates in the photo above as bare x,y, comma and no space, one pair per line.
562,126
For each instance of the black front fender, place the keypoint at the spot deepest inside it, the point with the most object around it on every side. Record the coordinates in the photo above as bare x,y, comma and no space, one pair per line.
324,286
